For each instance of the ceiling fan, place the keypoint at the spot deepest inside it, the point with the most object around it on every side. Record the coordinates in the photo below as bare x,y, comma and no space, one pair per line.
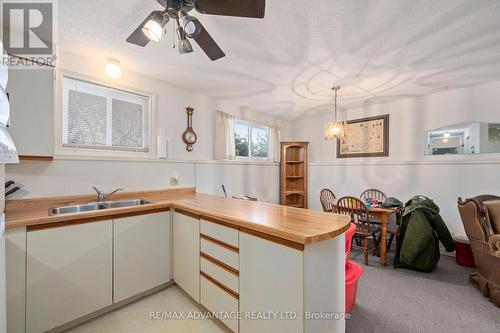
188,26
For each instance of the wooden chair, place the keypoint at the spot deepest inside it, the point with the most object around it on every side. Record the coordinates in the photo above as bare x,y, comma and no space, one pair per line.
326,197
378,195
373,193
393,227
360,216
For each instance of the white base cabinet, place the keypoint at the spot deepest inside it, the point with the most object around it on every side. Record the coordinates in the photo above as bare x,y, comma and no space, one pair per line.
186,247
59,274
69,273
293,288
271,283
141,254
15,271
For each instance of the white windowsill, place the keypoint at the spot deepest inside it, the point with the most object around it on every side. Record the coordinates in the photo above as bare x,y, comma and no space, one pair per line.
161,160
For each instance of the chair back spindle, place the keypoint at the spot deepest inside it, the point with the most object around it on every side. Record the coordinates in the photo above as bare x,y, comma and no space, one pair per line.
326,196
373,193
356,209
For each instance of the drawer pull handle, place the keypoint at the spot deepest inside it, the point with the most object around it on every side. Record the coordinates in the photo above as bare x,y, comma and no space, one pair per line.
220,264
220,285
220,243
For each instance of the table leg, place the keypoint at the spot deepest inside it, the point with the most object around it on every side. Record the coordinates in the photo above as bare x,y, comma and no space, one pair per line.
383,245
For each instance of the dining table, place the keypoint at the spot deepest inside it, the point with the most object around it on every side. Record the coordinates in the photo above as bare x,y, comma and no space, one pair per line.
382,214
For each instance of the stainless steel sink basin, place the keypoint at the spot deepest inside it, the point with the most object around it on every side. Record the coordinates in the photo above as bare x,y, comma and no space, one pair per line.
77,208
93,206
126,203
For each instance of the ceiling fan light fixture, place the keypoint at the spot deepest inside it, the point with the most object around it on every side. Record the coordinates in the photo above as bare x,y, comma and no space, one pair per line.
153,29
184,46
190,24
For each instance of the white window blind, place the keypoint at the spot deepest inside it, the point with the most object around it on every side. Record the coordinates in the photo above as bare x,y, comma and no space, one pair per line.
104,118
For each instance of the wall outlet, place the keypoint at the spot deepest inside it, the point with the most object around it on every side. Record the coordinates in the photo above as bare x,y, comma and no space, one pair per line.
174,181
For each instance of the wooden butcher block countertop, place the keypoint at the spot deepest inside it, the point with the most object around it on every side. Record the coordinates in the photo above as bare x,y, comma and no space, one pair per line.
291,224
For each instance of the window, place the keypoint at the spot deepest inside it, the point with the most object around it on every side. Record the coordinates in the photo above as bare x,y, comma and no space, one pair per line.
97,117
251,140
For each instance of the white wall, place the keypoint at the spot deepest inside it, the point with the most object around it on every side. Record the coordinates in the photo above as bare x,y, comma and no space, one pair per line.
407,171
67,176
72,177
171,103
256,180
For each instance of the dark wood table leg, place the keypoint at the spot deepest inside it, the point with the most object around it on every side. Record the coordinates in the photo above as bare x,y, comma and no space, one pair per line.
383,245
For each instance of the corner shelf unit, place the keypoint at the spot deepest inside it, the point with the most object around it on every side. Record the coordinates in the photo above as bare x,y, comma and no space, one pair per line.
293,174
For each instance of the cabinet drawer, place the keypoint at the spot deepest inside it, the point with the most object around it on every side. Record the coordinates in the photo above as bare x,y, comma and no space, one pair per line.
228,279
219,232
217,300
223,254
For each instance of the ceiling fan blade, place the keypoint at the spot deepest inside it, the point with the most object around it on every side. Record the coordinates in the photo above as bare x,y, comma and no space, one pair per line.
138,37
242,8
208,44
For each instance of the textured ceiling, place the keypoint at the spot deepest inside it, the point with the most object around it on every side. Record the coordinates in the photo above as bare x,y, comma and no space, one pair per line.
285,64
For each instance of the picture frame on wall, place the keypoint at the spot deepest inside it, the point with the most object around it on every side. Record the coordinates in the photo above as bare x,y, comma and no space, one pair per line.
365,137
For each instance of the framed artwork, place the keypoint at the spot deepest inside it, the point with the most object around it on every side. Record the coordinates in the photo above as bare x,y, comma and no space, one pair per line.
366,137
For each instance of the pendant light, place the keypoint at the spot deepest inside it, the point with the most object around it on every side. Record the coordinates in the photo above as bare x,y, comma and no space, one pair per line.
336,129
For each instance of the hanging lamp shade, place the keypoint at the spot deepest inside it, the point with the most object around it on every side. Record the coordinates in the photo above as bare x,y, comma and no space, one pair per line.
335,129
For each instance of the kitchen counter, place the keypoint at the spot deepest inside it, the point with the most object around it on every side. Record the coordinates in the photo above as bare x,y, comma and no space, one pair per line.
229,255
290,224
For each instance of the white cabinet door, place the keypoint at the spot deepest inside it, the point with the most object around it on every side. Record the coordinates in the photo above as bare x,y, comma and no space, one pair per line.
186,239
31,97
15,252
271,281
69,273
141,254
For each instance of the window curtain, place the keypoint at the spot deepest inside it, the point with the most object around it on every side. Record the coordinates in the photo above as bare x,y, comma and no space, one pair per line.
274,151
224,137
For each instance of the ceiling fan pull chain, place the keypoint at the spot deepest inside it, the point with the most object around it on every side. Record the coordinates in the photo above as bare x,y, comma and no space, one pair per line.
173,36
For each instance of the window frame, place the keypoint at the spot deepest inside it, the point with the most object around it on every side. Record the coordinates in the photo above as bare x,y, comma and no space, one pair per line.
250,125
65,151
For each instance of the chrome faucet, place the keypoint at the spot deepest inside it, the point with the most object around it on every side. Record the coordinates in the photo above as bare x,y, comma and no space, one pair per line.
101,195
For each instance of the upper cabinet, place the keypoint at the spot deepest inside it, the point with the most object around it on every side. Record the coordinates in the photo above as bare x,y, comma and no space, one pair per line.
31,97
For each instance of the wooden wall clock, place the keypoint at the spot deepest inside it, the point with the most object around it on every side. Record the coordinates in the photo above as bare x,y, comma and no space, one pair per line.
189,136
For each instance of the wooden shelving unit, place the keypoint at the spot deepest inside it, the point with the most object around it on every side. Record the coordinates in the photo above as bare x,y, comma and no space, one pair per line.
293,180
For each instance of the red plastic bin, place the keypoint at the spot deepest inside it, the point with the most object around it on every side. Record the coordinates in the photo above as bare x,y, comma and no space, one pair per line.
353,272
464,254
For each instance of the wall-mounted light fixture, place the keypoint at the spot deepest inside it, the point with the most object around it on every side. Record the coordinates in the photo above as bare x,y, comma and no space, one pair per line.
113,69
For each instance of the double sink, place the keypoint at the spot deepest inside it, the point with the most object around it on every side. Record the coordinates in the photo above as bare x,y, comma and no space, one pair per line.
99,205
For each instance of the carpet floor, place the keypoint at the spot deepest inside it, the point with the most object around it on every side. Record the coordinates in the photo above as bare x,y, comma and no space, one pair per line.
402,301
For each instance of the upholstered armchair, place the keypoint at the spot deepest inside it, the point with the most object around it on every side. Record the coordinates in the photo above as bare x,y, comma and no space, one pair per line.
481,219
